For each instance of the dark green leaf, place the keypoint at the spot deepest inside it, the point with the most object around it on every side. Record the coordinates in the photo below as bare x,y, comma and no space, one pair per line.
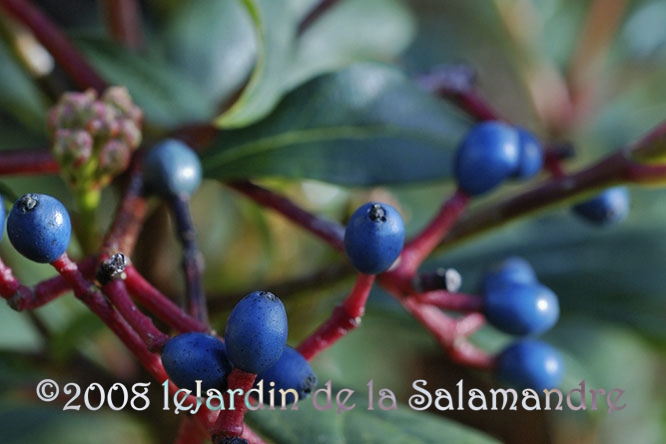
213,43
165,97
354,30
364,125
360,425
275,27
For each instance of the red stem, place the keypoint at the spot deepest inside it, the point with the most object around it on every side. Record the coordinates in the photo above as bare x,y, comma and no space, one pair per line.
87,293
344,318
28,161
452,301
331,232
420,247
129,218
142,324
55,41
229,423
158,304
123,19
450,333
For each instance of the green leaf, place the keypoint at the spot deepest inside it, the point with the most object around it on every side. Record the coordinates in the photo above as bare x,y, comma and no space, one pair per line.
352,31
365,125
165,97
275,27
212,42
360,425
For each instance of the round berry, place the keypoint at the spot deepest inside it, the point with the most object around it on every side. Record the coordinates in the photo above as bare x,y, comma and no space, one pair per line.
374,237
191,357
512,270
256,332
521,309
487,156
39,228
530,155
291,371
171,168
609,207
530,364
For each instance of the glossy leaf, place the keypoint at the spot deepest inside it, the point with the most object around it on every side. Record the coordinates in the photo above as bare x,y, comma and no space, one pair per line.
165,97
212,42
353,30
274,27
364,125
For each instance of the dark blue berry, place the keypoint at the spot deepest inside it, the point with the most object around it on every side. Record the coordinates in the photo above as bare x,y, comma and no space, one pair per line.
171,168
521,309
530,364
39,227
487,156
291,371
513,270
530,155
256,332
609,207
191,357
374,237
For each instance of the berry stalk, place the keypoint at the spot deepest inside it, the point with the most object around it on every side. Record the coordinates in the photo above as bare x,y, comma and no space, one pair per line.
330,232
452,301
229,423
123,21
192,258
142,324
27,162
344,318
88,294
158,304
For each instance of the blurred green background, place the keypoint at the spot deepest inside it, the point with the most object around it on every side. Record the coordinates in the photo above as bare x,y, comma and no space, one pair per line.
331,119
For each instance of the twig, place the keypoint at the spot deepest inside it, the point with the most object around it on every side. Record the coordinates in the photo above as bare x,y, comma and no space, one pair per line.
123,20
27,162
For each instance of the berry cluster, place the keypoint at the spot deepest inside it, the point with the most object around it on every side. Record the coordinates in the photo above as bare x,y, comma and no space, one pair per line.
493,152
516,303
254,342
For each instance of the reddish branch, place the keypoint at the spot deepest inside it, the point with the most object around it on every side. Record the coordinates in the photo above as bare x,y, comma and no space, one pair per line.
345,318
229,423
27,162
329,231
123,20
55,41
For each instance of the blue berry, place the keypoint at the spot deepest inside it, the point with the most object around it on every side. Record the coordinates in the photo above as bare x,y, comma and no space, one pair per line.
374,237
530,364
291,371
530,155
513,270
609,207
521,309
171,168
39,228
487,156
256,332
191,357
